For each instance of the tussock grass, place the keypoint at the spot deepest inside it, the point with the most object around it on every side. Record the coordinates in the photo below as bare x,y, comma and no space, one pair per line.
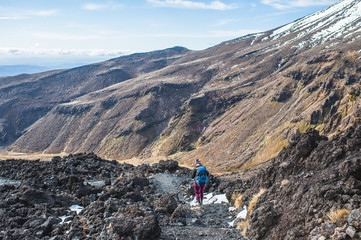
234,196
254,200
238,201
272,146
334,215
243,225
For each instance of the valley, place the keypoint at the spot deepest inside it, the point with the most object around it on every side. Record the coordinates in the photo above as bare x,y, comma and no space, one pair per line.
105,151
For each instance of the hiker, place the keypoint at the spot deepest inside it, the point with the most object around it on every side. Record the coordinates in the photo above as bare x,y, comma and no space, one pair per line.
200,174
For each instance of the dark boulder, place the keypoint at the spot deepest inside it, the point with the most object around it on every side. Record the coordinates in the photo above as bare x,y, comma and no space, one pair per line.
34,196
167,203
180,215
164,166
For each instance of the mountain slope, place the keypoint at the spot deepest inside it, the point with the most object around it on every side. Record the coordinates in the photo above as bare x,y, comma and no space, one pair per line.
234,105
26,98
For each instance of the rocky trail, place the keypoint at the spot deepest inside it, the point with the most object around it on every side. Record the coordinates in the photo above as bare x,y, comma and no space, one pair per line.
311,190
85,197
208,221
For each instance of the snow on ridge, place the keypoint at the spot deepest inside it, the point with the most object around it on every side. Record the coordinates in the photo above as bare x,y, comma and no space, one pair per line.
255,35
349,8
349,22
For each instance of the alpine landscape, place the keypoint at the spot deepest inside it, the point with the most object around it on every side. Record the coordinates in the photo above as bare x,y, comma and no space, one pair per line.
275,117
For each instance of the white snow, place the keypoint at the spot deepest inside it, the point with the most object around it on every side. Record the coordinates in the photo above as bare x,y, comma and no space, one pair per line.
95,183
76,208
329,24
210,198
231,209
232,223
63,219
241,215
72,208
255,37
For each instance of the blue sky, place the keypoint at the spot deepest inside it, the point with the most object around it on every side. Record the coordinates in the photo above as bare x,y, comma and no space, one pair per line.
55,32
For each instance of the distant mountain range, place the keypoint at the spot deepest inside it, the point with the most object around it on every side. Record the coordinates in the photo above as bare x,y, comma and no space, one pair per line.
12,70
234,105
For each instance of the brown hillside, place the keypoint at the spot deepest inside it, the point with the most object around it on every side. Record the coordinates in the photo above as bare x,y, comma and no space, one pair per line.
235,105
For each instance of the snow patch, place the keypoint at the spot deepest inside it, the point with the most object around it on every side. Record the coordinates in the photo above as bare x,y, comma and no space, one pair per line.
94,183
210,198
329,24
76,208
72,208
241,215
63,219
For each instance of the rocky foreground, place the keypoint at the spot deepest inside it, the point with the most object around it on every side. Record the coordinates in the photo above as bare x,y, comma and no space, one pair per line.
311,190
85,197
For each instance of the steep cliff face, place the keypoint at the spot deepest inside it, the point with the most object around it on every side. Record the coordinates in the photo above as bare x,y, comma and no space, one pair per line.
235,105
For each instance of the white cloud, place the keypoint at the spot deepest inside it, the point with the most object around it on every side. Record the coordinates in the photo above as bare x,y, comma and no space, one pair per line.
287,4
26,14
45,13
101,6
9,18
215,5
54,57
40,52
225,22
94,6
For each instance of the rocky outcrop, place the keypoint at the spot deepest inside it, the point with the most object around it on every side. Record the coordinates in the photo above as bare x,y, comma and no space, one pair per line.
312,190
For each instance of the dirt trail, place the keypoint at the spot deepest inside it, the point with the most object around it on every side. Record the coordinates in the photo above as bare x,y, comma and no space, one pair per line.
209,221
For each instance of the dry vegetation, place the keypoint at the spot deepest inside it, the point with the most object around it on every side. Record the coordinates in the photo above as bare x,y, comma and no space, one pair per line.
243,225
334,215
237,199
284,182
28,156
254,200
272,146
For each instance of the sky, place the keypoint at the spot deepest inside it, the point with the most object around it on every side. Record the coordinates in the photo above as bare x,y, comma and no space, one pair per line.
70,32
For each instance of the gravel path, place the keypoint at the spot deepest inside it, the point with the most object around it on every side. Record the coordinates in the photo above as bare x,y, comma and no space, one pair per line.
168,183
209,221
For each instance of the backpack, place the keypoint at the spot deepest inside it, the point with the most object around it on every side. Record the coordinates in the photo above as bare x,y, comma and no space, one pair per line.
202,177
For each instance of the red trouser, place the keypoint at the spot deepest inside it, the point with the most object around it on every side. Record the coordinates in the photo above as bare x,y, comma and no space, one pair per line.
199,190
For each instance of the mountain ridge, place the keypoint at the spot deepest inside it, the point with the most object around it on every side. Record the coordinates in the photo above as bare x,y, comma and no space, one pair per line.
235,105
